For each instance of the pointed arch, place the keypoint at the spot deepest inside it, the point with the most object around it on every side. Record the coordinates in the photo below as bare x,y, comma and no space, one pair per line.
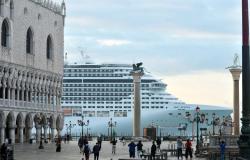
5,34
20,120
10,122
29,41
49,48
29,121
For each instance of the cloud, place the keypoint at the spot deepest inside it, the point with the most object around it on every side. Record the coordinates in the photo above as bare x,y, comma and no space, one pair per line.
112,42
203,87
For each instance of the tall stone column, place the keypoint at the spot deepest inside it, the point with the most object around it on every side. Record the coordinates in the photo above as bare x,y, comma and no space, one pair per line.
2,135
244,140
137,74
236,77
20,131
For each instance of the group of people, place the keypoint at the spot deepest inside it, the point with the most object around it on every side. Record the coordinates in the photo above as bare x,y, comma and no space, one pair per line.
188,148
85,148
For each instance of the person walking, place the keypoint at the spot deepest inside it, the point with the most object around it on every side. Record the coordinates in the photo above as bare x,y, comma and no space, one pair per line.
68,138
188,146
153,150
99,141
4,151
158,142
222,150
139,149
86,151
80,143
113,142
58,144
132,146
96,150
179,147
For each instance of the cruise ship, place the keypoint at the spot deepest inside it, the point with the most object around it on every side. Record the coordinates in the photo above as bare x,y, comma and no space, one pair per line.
99,92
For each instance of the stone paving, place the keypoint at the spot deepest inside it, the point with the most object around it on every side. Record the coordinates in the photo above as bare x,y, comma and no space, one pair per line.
71,151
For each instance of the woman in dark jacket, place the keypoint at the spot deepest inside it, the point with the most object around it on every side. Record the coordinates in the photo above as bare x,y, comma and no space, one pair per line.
153,150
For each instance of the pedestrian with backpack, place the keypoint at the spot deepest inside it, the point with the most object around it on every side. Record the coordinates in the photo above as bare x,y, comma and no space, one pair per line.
86,151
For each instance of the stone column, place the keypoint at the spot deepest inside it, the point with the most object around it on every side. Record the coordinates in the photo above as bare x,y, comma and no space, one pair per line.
38,133
18,95
20,131
22,94
45,128
35,97
2,135
29,134
137,103
8,93
4,92
52,134
12,134
27,95
236,77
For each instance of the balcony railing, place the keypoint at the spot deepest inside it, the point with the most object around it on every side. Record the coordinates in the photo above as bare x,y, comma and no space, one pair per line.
29,106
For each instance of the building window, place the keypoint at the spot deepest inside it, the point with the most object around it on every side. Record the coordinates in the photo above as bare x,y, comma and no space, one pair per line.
1,7
29,41
11,9
5,33
49,47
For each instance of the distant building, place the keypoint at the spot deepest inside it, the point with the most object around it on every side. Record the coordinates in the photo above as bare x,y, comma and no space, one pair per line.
31,68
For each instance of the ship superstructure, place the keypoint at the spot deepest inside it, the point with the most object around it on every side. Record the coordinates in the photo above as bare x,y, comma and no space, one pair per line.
103,91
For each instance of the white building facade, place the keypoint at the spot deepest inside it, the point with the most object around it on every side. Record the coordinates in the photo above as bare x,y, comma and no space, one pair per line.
31,69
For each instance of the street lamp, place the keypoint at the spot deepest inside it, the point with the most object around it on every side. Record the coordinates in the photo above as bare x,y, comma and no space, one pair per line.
83,123
70,126
197,134
111,125
213,123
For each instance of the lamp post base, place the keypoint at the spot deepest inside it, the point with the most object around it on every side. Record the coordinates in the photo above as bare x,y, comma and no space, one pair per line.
244,145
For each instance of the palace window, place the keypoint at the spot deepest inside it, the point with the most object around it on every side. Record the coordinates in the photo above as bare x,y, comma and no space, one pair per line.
49,47
5,33
29,41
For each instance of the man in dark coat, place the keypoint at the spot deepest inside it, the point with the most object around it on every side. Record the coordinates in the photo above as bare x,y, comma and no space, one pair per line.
132,146
96,150
153,150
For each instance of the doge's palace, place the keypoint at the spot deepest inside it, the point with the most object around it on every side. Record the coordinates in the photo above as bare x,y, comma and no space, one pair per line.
31,69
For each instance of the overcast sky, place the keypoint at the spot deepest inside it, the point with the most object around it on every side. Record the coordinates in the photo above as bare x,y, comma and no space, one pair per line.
188,43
